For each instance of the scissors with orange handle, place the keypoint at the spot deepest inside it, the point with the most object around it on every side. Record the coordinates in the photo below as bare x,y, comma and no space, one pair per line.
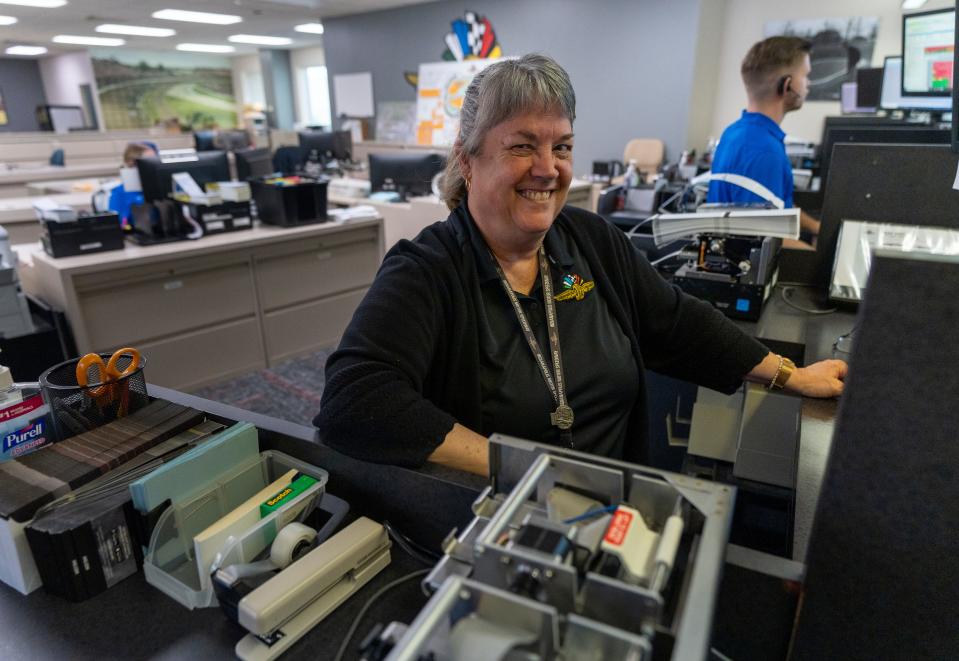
105,376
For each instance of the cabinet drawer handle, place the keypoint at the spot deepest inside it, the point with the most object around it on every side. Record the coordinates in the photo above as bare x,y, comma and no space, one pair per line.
326,254
172,284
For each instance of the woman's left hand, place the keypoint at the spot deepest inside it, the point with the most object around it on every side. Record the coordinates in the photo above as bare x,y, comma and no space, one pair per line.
822,379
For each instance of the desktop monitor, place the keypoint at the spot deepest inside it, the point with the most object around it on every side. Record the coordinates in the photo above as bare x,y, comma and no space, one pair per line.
252,163
319,146
156,176
232,140
868,87
409,174
893,99
203,140
928,42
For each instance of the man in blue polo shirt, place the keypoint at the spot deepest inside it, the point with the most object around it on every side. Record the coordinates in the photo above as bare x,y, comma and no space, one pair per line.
775,72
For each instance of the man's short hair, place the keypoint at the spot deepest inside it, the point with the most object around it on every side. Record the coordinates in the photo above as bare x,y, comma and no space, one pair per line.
768,60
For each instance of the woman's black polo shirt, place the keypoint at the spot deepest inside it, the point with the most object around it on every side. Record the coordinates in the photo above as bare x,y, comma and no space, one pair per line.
602,379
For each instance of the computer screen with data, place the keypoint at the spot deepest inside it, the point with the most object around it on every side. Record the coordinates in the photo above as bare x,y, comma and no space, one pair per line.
928,42
892,98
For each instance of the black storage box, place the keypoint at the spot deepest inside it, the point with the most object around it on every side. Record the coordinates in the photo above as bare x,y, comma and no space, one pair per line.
219,218
88,234
290,204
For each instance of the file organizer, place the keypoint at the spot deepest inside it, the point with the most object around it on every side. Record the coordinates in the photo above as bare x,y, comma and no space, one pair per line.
203,486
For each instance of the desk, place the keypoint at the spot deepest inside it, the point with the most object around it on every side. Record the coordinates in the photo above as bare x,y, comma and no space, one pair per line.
14,181
20,220
424,504
404,220
87,186
224,305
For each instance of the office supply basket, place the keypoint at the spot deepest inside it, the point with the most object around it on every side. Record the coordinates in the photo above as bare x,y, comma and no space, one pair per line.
76,408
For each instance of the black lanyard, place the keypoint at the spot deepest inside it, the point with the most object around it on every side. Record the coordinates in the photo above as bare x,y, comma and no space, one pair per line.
562,417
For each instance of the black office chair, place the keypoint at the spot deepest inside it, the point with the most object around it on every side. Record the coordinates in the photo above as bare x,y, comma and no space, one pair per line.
287,159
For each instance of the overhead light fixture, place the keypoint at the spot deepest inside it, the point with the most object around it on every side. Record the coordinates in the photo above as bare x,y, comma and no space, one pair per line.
260,40
87,41
7,20
312,28
205,48
912,4
45,4
197,17
138,30
25,50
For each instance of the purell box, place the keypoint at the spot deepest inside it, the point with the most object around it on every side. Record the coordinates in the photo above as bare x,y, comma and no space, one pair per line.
24,427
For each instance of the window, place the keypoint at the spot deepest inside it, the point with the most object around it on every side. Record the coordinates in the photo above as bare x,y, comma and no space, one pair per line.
315,108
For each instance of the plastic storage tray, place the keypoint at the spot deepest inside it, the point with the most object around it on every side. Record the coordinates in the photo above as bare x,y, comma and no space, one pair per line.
291,204
90,233
170,563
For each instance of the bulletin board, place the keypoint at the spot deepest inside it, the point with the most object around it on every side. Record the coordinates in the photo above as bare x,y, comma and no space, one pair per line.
353,94
439,98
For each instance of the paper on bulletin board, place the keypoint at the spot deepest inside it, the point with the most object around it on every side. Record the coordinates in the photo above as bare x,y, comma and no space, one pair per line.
353,93
439,98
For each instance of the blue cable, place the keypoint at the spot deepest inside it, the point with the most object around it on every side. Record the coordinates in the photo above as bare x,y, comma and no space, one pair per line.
592,513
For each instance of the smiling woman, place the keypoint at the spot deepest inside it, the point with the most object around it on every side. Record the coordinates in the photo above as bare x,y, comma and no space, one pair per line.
519,315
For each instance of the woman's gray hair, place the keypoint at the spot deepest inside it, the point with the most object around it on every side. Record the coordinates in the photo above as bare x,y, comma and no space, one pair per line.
498,92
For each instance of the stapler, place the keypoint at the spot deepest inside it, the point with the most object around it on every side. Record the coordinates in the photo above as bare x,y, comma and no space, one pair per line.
294,600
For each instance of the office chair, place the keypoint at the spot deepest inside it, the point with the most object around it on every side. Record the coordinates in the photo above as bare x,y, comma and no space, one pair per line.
57,158
648,153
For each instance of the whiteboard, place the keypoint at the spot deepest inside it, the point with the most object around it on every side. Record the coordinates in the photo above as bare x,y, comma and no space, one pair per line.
354,94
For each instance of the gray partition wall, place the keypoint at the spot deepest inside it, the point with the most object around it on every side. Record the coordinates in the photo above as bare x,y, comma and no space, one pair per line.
882,576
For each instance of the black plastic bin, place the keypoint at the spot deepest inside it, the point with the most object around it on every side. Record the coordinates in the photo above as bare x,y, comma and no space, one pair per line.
287,205
88,234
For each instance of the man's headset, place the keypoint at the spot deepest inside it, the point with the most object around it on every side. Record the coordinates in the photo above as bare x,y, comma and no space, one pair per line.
783,84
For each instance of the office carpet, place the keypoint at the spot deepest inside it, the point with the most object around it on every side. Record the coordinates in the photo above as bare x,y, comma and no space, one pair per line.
290,390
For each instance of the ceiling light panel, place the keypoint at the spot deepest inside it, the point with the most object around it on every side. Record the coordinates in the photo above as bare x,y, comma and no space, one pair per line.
7,20
196,17
912,4
136,30
25,50
259,40
45,4
311,28
205,48
87,41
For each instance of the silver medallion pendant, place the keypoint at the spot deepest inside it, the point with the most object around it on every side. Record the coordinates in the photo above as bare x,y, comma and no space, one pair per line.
562,417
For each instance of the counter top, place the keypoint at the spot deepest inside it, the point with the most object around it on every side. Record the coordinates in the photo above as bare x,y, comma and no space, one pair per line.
134,255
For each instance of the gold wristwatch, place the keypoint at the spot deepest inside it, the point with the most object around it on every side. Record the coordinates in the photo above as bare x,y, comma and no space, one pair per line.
785,370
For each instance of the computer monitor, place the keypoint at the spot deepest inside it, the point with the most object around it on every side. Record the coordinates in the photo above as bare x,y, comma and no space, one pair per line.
892,97
203,140
232,140
410,175
156,176
928,42
253,163
321,146
868,87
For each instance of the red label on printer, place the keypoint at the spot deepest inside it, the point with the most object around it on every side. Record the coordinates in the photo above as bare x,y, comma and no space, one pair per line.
618,527
25,407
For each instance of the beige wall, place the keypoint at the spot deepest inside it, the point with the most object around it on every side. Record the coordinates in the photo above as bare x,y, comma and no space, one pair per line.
742,25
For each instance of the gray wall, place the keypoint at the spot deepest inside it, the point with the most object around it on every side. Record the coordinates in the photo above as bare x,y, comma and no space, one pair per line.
22,90
631,61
